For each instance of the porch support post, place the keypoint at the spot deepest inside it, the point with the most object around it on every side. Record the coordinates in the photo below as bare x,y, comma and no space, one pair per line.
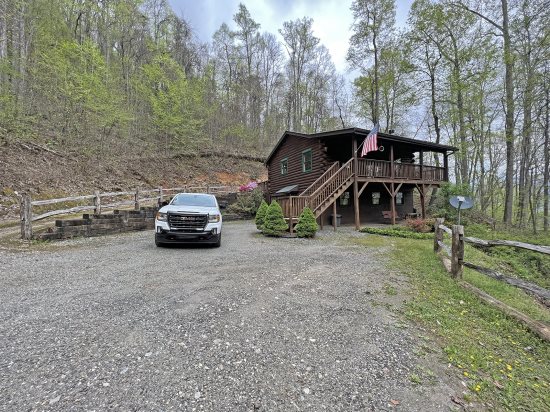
334,220
355,187
423,200
421,154
446,167
392,202
290,215
321,221
392,171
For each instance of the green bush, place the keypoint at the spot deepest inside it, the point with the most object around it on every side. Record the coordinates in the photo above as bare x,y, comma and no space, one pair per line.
307,224
247,203
441,207
260,214
274,222
405,233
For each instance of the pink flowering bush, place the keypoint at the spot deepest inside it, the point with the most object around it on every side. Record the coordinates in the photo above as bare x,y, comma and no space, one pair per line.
250,186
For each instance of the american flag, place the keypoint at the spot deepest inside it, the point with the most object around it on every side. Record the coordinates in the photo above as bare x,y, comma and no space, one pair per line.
370,144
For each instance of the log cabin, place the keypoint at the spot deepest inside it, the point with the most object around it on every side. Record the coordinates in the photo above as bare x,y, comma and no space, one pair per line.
325,171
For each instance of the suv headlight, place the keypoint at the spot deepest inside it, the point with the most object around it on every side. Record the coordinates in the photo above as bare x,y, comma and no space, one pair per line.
213,218
161,217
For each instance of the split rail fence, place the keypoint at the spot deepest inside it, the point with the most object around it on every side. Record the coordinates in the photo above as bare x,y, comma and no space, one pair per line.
454,263
99,202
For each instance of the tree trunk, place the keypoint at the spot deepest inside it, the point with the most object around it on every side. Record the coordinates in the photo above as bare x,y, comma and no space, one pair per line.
509,122
546,178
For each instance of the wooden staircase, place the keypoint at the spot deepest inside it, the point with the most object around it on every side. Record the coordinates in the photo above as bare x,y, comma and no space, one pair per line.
322,193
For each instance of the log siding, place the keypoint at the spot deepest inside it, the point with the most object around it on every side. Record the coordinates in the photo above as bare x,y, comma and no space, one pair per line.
292,151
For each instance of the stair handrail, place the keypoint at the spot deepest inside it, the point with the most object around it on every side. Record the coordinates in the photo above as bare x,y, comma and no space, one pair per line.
330,171
345,172
345,166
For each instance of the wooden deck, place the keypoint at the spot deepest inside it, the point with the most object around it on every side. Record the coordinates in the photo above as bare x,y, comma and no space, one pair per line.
381,171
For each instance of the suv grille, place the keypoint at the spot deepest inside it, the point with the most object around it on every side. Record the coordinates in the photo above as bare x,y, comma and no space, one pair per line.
188,222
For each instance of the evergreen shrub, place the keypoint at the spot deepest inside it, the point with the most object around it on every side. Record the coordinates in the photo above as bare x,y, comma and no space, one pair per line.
260,214
307,224
274,222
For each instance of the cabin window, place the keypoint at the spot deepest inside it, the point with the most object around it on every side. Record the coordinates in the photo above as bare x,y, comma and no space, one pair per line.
399,198
284,166
306,161
344,199
375,198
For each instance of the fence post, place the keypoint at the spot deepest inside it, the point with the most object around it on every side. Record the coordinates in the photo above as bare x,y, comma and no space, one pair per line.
26,217
97,203
207,188
136,199
438,234
457,249
291,209
161,196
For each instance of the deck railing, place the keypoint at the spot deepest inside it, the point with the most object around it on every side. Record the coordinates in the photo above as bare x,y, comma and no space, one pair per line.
334,180
382,169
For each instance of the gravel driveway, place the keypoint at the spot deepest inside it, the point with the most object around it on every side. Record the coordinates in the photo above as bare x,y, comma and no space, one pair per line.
258,324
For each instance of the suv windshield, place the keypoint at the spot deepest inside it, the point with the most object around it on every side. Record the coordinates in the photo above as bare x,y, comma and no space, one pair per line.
194,200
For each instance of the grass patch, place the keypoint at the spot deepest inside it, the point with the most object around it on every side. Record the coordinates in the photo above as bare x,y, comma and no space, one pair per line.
532,266
414,378
503,364
390,290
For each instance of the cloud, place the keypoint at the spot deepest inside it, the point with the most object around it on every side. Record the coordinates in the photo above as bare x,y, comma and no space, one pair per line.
332,19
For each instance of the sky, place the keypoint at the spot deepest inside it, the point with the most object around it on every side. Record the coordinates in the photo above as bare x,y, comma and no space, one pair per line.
332,19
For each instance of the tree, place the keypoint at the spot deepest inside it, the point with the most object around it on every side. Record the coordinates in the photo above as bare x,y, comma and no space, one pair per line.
503,29
300,44
260,215
274,223
373,21
307,224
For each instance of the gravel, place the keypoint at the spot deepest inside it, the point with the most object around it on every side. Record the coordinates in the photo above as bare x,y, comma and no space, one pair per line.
260,324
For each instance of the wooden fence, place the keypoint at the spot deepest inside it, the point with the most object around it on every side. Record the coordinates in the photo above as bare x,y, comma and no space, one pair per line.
99,202
454,263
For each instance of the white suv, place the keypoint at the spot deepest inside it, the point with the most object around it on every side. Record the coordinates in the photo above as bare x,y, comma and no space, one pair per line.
189,218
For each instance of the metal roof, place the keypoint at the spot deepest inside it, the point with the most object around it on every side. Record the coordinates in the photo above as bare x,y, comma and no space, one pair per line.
355,131
287,189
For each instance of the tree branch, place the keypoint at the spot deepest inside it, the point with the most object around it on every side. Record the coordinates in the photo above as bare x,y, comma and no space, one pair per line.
487,19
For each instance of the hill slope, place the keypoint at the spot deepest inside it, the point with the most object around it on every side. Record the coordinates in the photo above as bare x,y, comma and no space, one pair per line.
45,173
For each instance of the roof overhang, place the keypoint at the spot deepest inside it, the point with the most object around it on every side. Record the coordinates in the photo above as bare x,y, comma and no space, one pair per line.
286,190
354,131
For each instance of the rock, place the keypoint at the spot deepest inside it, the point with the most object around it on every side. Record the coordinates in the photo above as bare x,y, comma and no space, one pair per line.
55,400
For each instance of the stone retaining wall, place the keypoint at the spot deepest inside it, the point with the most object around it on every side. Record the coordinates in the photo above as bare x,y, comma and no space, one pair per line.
96,225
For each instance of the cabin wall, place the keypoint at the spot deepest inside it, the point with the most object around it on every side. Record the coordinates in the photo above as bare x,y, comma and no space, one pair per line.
292,149
369,212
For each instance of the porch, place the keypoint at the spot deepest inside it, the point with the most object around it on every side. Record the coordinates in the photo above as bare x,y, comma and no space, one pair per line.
368,190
